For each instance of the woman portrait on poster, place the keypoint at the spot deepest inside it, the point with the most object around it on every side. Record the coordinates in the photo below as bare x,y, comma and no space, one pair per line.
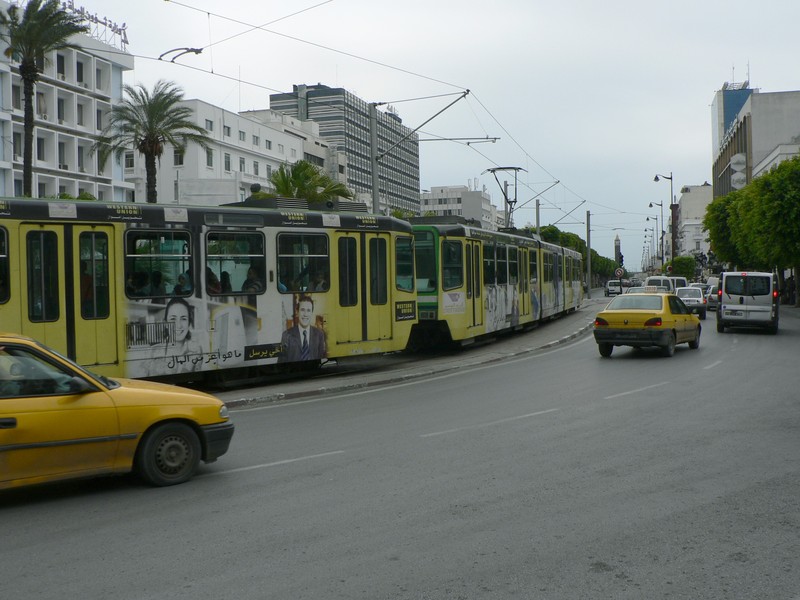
181,351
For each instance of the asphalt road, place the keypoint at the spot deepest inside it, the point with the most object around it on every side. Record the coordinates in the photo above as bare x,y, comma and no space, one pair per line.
549,473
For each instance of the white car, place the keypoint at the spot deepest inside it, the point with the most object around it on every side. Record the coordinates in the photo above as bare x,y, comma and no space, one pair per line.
694,300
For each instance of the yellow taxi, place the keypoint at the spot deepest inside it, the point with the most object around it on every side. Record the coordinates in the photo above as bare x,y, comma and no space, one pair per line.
644,320
59,421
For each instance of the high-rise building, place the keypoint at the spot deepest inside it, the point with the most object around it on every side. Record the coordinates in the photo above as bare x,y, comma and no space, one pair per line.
75,92
344,123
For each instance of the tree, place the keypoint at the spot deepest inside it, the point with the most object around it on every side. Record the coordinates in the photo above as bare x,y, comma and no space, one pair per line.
146,121
39,30
305,180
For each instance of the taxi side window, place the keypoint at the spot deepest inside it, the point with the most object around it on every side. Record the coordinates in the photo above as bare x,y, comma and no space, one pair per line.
23,373
677,307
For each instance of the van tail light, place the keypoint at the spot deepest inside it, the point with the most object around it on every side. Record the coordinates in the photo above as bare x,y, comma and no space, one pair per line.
719,294
654,322
598,322
775,295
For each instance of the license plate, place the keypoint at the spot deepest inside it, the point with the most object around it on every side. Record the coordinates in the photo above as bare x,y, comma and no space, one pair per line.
733,313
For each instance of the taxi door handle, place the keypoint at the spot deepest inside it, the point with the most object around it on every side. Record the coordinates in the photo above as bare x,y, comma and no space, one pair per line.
9,423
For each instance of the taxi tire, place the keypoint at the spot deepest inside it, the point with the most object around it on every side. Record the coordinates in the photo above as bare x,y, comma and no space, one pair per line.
605,349
695,343
669,348
169,454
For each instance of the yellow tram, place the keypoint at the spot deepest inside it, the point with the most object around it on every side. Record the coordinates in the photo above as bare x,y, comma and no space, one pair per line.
181,292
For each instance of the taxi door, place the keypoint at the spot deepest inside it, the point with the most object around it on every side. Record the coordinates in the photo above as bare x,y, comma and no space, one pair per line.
46,431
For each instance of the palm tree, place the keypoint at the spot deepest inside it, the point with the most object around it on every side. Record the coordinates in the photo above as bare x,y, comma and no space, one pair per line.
148,120
305,180
39,30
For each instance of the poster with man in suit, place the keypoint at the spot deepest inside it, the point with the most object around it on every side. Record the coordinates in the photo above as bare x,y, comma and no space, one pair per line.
303,341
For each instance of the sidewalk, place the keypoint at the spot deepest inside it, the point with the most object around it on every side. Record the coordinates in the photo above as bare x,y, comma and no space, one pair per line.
381,370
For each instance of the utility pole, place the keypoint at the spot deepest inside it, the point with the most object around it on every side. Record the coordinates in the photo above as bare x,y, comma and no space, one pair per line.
588,256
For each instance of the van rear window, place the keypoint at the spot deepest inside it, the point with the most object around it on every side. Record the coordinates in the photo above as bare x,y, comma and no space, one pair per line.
748,285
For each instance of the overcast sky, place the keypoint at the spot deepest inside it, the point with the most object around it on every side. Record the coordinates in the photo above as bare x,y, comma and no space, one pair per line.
599,96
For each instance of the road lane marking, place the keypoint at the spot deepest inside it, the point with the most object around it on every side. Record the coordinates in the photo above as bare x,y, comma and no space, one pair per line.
712,365
636,391
489,423
279,462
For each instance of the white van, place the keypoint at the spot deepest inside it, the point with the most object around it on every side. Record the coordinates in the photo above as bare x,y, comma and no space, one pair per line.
748,299
679,282
661,281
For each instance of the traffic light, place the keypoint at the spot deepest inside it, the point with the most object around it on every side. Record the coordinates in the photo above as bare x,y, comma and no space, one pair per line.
621,260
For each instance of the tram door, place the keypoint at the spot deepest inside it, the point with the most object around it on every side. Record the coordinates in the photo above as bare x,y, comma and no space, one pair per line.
365,308
524,283
70,300
474,283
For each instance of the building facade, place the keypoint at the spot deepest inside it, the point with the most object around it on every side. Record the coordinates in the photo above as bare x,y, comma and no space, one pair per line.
73,97
459,200
344,123
245,150
752,132
692,203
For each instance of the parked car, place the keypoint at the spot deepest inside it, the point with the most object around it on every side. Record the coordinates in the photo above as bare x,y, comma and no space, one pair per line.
693,299
613,287
645,320
748,299
59,421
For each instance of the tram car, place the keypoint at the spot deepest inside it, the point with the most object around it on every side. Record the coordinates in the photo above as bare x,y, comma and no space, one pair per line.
473,283
188,293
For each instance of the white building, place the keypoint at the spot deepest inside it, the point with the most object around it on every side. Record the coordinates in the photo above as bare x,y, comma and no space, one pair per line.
694,199
246,148
73,96
460,200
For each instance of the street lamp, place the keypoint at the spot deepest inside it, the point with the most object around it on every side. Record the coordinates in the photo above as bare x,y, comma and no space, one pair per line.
672,213
652,232
661,230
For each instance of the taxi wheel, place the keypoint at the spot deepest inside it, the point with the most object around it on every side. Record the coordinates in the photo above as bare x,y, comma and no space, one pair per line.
169,454
605,349
695,343
669,349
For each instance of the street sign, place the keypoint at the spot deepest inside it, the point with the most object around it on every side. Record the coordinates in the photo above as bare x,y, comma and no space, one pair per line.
619,272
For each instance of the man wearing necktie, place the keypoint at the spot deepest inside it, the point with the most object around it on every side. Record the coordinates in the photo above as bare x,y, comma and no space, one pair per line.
303,341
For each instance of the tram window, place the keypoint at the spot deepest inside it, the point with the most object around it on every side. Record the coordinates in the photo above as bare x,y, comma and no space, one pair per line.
513,266
158,264
378,288
404,264
425,261
452,265
5,284
534,269
235,262
469,271
348,272
502,264
93,276
488,264
43,288
303,262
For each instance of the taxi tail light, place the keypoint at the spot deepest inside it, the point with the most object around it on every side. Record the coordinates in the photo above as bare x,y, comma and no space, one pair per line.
598,322
654,322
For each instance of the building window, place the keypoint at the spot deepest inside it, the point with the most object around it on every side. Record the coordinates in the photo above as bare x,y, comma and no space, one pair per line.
79,114
177,157
209,157
226,130
40,155
255,168
256,140
281,149
209,125
227,160
267,143
294,152
16,97
241,164
242,136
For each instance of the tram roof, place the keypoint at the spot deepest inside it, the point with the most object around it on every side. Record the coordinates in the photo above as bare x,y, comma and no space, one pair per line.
160,215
